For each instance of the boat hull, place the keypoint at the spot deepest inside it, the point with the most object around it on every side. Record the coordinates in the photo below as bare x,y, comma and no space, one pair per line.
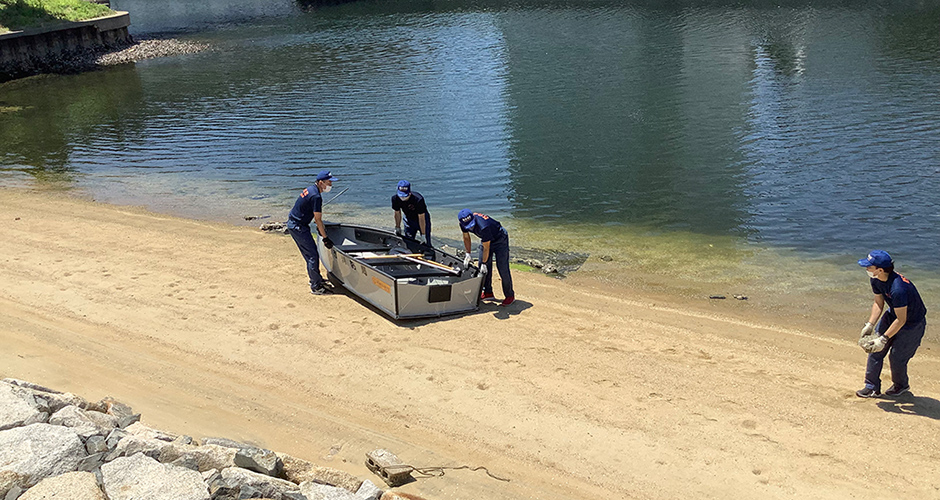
402,278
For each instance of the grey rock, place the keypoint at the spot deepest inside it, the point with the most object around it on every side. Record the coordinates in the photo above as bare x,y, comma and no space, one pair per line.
260,485
298,470
96,444
183,440
394,495
140,430
71,486
549,269
53,402
14,493
30,385
115,436
129,420
369,491
32,453
317,491
91,463
132,445
187,461
227,443
207,457
113,407
18,408
259,460
85,423
142,478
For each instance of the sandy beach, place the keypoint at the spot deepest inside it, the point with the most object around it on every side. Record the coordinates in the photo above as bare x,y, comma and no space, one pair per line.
581,390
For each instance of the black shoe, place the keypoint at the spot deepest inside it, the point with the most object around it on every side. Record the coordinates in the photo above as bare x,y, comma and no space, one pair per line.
322,290
867,392
894,391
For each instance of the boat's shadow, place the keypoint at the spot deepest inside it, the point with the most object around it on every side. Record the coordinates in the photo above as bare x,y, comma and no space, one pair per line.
498,311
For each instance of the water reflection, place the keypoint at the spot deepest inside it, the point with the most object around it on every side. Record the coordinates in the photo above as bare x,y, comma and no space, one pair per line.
629,124
50,125
799,126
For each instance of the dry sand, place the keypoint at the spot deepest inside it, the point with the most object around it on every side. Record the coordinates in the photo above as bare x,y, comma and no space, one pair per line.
579,391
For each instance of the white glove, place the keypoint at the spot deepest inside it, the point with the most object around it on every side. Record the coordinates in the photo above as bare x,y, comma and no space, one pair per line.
867,329
482,270
466,260
876,345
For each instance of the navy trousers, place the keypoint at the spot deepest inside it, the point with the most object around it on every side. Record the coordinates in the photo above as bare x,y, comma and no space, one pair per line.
308,249
499,249
412,227
900,350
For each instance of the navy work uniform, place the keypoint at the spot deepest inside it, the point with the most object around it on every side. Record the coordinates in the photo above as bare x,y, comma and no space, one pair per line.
897,292
412,205
308,208
494,242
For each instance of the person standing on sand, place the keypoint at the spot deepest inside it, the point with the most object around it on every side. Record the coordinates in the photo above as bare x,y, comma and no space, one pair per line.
417,217
494,240
900,330
307,208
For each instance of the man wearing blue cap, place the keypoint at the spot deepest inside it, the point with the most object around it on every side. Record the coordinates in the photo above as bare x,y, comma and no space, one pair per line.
494,240
307,208
413,205
900,330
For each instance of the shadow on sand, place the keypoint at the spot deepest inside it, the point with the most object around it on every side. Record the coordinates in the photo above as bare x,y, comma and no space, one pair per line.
910,404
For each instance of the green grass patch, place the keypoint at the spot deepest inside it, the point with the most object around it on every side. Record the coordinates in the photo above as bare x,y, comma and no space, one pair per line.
521,267
20,14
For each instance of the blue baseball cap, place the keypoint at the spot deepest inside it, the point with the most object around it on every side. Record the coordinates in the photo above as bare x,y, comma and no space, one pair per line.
465,218
325,175
404,189
877,258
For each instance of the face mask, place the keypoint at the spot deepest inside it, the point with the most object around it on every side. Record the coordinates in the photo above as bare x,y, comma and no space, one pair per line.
326,189
403,198
870,274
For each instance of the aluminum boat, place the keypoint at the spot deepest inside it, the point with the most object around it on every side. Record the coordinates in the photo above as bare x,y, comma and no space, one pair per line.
404,278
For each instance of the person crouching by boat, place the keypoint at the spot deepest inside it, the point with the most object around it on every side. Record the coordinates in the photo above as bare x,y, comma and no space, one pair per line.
494,241
309,207
417,218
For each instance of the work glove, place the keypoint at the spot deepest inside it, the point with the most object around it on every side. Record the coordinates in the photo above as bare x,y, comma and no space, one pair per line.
466,260
397,231
876,345
327,242
482,270
868,334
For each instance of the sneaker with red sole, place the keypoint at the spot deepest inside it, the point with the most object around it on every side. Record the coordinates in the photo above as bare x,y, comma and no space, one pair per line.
507,301
487,296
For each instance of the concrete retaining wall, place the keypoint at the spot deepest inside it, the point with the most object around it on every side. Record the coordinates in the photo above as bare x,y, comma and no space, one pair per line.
38,50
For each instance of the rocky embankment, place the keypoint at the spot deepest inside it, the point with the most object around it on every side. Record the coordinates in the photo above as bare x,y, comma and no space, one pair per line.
58,445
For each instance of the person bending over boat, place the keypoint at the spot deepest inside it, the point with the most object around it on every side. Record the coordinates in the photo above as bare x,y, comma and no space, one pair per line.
494,241
417,218
307,208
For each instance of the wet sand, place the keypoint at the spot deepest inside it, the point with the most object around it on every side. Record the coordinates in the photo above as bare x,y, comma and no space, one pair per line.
584,389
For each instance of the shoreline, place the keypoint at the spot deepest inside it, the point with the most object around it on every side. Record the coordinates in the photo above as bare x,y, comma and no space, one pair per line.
587,389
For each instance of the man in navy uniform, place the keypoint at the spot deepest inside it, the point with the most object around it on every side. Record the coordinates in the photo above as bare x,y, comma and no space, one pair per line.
900,330
417,218
307,208
494,241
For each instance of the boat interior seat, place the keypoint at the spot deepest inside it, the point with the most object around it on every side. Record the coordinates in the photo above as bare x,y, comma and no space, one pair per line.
364,248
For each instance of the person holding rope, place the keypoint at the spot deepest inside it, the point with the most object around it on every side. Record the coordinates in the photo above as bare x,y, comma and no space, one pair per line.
415,209
900,331
308,208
